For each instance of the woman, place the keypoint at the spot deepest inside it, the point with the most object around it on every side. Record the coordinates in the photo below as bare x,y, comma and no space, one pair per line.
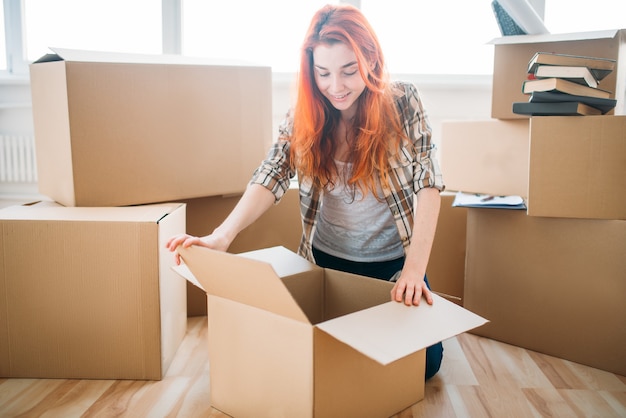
361,149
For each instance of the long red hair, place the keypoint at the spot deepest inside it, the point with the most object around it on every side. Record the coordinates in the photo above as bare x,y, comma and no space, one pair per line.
377,124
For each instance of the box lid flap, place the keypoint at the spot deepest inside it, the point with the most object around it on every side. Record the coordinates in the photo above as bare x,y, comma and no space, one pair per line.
244,279
52,211
79,55
555,37
391,331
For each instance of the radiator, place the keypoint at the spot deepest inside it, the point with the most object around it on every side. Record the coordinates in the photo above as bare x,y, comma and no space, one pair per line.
18,163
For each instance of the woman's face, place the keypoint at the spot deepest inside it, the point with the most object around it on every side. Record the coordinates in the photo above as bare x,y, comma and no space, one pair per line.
337,76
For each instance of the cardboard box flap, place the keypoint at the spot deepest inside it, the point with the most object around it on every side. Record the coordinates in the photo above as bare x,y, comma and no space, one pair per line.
284,261
52,211
241,279
391,331
557,37
78,55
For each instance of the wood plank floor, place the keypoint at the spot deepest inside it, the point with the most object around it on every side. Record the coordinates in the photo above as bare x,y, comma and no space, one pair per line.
479,378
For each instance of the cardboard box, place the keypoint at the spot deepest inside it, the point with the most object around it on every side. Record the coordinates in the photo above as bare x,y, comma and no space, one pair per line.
123,129
578,167
446,266
512,54
88,293
486,156
288,338
279,226
552,285
572,167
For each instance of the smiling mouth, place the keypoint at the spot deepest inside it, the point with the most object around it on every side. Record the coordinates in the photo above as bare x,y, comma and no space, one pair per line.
343,96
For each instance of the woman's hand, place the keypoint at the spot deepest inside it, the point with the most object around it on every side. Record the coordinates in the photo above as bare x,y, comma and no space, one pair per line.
410,288
213,241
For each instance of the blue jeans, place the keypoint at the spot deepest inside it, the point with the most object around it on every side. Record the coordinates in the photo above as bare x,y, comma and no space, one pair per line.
384,271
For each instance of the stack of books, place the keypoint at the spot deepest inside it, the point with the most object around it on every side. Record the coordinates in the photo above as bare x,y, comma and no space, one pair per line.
561,84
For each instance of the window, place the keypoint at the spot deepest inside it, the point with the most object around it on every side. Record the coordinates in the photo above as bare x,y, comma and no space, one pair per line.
264,32
424,37
434,37
107,25
564,16
3,50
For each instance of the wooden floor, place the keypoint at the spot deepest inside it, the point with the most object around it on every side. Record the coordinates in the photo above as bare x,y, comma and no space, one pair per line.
479,378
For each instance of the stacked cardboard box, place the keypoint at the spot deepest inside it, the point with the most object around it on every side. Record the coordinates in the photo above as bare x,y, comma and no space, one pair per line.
87,292
86,287
549,278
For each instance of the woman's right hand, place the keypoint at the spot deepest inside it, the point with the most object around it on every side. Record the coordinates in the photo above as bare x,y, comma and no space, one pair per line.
213,241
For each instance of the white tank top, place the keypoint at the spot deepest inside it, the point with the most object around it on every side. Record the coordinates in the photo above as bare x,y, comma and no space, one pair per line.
354,227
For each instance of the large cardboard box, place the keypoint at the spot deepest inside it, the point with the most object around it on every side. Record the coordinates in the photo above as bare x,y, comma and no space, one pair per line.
289,338
512,54
486,156
552,285
578,167
564,166
88,293
446,266
123,129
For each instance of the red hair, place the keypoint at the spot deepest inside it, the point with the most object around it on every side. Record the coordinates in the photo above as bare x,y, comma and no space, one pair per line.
315,119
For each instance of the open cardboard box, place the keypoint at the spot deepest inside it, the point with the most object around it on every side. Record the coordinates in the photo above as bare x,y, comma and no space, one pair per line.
289,338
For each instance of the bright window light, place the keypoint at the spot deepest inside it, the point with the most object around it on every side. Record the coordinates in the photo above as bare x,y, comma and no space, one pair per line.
434,37
3,50
263,32
563,17
100,25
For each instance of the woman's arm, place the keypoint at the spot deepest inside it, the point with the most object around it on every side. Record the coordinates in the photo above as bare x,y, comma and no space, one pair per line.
254,202
411,286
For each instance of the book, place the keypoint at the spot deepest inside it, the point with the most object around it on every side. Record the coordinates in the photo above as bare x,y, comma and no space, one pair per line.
505,22
600,67
580,75
605,105
554,109
524,15
564,86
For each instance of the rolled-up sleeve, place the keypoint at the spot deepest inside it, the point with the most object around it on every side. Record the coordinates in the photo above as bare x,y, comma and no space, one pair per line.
426,171
275,172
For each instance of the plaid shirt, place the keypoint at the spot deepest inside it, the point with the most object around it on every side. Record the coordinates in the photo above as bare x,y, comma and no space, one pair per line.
413,167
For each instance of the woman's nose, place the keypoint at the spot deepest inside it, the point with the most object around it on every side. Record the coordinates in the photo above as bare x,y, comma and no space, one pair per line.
336,84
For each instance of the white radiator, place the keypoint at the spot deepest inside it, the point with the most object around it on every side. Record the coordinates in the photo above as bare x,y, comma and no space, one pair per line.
18,163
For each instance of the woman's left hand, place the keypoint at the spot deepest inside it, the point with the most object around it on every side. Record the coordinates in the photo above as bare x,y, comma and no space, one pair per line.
410,288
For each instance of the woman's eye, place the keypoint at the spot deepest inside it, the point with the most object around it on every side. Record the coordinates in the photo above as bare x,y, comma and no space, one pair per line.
324,75
351,73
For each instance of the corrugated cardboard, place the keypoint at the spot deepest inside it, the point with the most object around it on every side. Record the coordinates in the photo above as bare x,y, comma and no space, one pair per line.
446,265
279,226
512,54
124,129
552,285
578,167
88,292
563,166
288,338
486,156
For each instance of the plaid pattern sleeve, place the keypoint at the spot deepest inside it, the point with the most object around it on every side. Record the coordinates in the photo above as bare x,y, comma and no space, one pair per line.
275,172
422,152
414,167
